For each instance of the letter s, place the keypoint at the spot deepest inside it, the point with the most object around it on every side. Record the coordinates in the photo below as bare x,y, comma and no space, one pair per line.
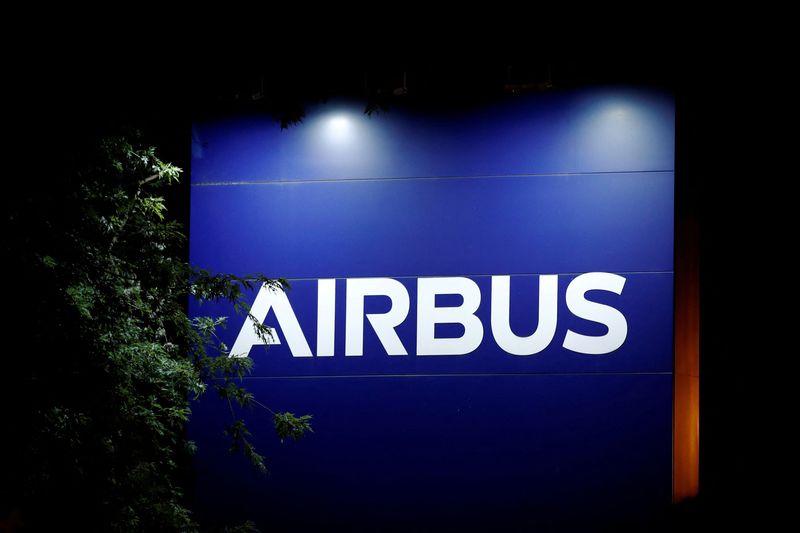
595,312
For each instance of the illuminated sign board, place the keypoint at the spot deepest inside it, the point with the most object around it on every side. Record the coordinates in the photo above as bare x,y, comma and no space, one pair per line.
479,318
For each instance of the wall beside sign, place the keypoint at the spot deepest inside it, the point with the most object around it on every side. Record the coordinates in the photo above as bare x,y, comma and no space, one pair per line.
476,228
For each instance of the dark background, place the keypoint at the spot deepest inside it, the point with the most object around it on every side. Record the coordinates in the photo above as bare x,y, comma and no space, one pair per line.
58,102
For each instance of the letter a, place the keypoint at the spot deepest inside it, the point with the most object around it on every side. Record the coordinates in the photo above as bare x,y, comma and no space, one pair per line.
271,298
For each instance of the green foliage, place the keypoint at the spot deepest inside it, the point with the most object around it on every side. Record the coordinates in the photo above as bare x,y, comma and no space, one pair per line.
118,360
247,527
289,425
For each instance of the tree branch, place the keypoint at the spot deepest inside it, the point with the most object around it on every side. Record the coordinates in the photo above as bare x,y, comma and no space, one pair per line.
149,179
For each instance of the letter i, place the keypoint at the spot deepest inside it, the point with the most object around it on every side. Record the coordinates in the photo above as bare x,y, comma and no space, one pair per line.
326,316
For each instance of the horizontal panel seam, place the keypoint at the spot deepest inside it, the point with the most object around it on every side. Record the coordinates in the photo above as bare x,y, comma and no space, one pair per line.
412,276
477,374
409,178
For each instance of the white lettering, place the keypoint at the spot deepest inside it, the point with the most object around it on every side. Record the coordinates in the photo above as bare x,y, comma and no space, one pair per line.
595,312
548,316
326,317
428,315
383,324
271,298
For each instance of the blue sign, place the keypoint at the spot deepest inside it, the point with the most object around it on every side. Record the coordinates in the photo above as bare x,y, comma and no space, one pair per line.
479,319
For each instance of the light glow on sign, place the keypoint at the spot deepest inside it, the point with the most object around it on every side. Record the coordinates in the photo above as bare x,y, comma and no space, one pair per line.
339,124
617,135
341,139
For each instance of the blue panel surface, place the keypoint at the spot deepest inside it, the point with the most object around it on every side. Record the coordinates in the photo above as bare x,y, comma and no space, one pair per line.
560,184
612,130
428,227
491,453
